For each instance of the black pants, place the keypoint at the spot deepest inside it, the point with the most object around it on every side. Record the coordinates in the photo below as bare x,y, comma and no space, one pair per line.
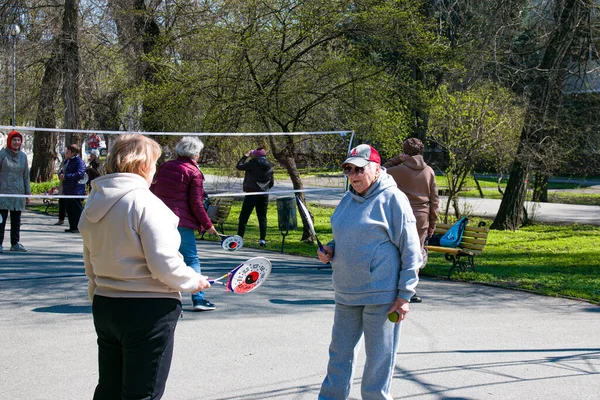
15,226
135,346
74,209
61,209
260,202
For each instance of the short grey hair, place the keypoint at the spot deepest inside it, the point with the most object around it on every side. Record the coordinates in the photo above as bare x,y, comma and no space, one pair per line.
189,146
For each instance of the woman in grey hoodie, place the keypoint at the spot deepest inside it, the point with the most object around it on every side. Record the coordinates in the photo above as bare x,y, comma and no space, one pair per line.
375,254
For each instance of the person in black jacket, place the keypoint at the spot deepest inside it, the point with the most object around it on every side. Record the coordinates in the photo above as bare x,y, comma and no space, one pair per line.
93,168
258,178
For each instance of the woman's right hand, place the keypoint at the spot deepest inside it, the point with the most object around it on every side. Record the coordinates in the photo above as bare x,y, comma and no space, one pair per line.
202,283
325,257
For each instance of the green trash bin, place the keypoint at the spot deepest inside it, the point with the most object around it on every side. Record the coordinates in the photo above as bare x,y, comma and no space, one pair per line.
286,214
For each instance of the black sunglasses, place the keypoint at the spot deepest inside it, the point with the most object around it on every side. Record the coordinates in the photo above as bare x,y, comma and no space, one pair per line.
357,170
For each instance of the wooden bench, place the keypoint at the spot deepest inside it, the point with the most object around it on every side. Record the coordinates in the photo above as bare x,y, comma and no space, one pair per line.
51,201
220,213
472,243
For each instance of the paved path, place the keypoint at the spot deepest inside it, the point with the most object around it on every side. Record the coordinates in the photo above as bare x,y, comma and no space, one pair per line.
463,342
330,190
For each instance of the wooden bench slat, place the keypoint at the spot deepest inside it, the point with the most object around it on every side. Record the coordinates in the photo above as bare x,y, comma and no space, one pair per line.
472,241
444,228
440,249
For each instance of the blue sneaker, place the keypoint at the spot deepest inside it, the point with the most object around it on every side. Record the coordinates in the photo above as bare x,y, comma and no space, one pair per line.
203,305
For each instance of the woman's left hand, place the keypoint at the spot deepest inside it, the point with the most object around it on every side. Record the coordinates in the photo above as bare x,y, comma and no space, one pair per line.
402,307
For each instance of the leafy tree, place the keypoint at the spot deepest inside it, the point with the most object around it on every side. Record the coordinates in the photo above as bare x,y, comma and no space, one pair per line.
544,98
472,126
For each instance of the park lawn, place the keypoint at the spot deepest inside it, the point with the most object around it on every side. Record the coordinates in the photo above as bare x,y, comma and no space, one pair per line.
584,199
545,259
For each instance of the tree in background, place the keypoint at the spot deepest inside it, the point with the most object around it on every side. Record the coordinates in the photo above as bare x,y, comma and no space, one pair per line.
545,95
472,126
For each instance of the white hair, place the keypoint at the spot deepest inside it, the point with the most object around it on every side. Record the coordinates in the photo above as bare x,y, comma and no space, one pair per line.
189,146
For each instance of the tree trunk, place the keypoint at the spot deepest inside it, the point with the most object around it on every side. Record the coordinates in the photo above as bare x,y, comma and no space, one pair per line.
70,48
44,143
545,94
286,158
540,188
510,215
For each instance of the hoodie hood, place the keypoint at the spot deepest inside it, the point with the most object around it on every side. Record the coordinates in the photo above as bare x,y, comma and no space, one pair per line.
108,190
10,137
415,162
382,183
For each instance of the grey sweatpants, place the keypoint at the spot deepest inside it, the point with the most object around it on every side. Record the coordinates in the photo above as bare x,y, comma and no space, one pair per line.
382,339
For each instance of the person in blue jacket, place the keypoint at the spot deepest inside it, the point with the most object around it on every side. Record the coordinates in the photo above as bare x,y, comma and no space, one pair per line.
375,254
73,178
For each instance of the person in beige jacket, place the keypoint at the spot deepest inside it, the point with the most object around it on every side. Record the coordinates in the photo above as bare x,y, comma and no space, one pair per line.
417,180
135,271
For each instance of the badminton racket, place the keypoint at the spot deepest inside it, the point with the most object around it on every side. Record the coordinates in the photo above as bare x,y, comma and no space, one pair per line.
246,277
309,222
231,242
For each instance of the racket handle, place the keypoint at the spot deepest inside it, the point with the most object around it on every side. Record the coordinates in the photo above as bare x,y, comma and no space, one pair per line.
320,246
218,280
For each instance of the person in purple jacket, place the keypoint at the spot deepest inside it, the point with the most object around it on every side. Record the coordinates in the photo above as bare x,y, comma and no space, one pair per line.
179,184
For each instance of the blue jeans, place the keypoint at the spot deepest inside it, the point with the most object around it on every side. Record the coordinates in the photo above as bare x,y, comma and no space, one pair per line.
189,251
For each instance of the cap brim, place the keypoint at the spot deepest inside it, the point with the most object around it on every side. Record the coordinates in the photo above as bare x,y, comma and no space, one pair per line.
358,161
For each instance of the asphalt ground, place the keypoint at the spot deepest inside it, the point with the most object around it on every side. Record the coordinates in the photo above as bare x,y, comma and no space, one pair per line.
464,341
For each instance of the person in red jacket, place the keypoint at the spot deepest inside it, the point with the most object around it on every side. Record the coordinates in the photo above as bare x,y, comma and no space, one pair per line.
94,141
180,185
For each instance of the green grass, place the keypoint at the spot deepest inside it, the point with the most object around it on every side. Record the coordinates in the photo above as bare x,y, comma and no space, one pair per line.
549,260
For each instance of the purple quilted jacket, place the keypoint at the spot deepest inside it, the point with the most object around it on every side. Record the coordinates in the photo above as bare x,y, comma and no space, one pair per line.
180,185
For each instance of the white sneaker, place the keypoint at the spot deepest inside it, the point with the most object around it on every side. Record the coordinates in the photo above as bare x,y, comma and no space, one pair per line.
18,247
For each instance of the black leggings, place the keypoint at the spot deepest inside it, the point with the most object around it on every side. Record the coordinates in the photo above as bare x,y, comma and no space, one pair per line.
135,346
15,226
261,202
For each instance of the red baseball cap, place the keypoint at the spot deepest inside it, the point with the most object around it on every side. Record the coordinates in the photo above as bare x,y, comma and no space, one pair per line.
361,155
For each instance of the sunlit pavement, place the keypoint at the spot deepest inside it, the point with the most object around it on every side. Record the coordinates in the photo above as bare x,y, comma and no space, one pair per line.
463,342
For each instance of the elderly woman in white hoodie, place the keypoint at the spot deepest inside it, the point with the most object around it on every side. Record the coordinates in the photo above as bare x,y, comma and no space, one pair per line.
136,274
375,255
